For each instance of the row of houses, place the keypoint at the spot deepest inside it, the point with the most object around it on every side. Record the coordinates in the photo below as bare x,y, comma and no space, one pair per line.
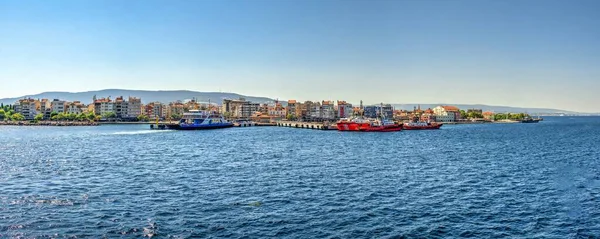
29,108
307,111
129,109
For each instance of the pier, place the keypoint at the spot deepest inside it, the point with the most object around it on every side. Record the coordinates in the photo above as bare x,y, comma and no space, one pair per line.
307,125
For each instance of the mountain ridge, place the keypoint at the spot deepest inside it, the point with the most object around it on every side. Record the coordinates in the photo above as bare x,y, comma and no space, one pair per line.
166,96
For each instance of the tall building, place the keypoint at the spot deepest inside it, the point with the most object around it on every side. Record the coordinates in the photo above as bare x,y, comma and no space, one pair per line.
58,106
374,111
27,108
344,109
103,106
120,107
328,111
291,108
134,108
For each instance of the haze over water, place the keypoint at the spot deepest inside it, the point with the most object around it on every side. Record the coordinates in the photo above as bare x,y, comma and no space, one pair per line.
479,181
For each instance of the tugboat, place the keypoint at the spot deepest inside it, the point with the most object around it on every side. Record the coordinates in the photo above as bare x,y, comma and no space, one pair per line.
421,125
353,123
382,125
197,120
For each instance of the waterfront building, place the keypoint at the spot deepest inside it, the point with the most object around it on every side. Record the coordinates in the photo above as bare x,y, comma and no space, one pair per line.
374,111
45,108
134,108
120,107
328,111
344,109
315,111
264,109
240,108
75,107
27,108
277,110
248,108
58,106
446,113
291,108
233,107
175,110
103,106
154,110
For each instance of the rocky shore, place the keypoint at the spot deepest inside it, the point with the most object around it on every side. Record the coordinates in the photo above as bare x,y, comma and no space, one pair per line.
49,123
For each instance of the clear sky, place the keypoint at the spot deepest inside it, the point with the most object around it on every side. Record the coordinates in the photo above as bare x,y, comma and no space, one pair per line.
530,53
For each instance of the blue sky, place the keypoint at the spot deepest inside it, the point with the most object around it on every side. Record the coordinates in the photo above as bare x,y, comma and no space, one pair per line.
532,53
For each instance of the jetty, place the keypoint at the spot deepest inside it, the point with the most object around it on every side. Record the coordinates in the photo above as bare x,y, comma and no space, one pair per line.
307,125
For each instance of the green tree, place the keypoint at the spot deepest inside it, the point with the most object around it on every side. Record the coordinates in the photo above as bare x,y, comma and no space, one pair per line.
72,116
80,117
91,116
227,114
2,113
463,114
39,117
176,116
18,117
289,117
143,118
109,115
54,115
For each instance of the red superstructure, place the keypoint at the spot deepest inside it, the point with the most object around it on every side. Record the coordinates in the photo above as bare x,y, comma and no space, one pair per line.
421,125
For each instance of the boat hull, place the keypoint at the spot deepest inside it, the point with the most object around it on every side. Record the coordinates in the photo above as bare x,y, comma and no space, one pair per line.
351,126
423,127
199,127
387,128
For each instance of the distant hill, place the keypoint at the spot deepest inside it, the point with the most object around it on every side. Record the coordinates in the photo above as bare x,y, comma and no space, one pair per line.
145,95
496,109
217,97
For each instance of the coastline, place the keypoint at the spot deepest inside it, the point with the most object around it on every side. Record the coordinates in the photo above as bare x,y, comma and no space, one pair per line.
48,123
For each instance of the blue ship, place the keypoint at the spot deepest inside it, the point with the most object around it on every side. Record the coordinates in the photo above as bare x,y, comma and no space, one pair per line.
197,120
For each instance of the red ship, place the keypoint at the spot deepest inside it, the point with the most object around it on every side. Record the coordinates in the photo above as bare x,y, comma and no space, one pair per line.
382,126
365,125
353,124
421,125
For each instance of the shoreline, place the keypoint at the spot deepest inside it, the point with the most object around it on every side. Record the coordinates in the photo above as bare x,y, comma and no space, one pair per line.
48,123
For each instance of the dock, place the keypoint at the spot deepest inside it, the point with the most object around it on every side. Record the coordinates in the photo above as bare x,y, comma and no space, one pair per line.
307,125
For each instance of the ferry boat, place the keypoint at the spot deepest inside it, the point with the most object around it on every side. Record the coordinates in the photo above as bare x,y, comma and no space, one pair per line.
421,125
197,120
353,124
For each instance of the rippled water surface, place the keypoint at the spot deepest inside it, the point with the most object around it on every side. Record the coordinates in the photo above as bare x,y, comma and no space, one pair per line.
480,181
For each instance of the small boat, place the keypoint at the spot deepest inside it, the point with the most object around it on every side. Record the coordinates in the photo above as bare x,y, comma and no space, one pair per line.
197,120
530,120
421,125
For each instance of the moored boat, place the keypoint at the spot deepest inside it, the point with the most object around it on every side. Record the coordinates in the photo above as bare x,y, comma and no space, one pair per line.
197,120
421,125
352,124
382,126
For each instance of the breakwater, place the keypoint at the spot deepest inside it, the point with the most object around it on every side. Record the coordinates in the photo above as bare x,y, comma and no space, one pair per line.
307,125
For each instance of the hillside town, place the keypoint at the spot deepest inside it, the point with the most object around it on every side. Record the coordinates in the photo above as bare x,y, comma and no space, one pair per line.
131,109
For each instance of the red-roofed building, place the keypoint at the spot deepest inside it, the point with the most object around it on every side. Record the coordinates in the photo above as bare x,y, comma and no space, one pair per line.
446,113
